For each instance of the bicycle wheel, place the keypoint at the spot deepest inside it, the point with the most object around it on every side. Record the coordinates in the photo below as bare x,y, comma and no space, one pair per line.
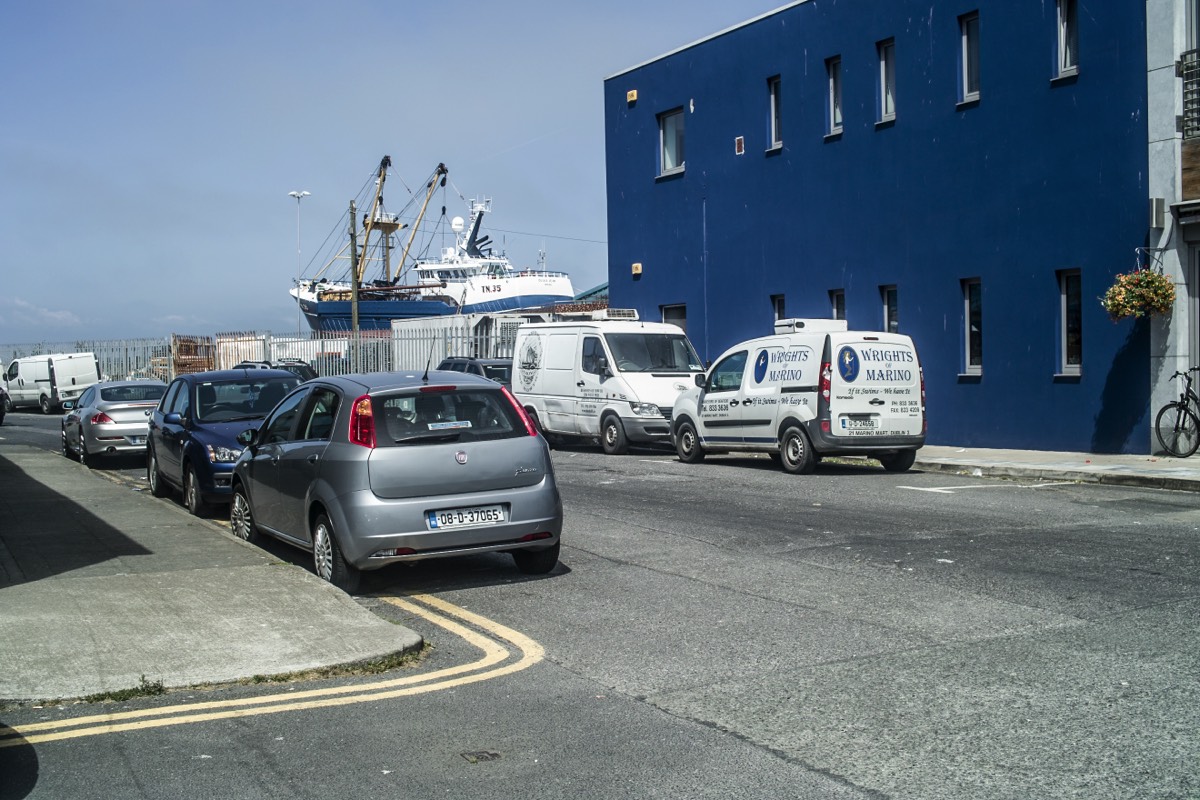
1178,430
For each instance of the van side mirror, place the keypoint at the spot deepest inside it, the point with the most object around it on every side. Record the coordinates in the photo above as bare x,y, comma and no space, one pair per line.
701,380
602,365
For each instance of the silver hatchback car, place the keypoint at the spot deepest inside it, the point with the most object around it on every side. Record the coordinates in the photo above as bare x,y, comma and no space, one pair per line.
369,470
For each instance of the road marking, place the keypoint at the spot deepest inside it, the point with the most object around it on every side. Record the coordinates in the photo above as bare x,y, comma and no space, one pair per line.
494,663
953,489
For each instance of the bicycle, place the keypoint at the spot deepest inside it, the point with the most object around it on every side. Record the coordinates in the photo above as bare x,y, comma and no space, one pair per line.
1178,423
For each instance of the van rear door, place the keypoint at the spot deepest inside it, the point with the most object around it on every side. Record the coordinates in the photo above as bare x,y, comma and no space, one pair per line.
875,386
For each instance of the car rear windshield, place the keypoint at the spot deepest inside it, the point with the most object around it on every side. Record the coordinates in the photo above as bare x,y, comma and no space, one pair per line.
132,394
458,415
245,398
498,372
653,352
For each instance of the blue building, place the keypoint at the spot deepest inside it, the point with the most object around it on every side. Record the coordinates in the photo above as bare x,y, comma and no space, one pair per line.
972,173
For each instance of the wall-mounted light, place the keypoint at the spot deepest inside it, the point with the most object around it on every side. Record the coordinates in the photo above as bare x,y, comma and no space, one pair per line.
637,268
631,96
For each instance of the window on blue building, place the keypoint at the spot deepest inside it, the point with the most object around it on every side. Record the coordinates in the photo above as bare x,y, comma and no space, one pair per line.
775,89
777,307
1070,323
972,290
968,26
1068,38
837,303
891,309
670,136
833,111
887,80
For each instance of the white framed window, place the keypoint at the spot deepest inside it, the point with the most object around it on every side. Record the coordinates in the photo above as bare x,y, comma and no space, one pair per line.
1068,38
1070,322
887,79
972,290
777,306
775,90
891,308
968,57
670,137
837,303
833,111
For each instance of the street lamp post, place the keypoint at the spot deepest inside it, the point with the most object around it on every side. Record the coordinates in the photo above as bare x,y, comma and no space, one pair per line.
299,196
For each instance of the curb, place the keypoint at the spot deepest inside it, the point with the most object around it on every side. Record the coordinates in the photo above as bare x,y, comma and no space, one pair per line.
1164,482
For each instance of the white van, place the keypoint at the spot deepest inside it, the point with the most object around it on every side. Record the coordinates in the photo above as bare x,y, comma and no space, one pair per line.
45,381
811,390
614,380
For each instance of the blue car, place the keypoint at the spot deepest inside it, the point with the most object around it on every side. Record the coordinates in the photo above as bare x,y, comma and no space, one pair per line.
192,443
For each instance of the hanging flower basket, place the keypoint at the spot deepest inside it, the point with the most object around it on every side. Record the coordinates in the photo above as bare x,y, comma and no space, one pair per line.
1138,293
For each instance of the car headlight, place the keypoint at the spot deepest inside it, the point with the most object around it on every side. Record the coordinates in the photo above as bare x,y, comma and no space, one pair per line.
223,455
646,409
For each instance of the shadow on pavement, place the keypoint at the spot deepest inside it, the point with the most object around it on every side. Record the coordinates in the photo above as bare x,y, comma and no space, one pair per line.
18,767
45,533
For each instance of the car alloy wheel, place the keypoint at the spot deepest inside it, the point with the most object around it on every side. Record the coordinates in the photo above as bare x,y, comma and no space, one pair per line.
328,562
241,517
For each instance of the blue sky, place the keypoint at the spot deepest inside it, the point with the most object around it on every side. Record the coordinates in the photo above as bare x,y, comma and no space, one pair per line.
147,148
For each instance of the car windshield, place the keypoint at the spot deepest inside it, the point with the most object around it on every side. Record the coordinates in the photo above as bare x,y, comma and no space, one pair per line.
151,392
240,399
459,415
653,352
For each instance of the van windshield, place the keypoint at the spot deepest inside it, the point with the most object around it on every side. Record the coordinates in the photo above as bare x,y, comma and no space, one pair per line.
653,352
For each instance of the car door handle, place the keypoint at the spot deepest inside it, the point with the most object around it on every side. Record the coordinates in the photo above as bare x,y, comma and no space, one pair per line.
580,383
314,458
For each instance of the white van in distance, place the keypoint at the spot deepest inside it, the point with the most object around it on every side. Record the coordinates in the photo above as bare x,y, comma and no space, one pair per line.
611,379
45,381
811,390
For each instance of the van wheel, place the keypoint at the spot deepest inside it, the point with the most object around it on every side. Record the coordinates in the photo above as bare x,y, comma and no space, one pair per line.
687,443
900,461
8,406
795,452
45,403
612,436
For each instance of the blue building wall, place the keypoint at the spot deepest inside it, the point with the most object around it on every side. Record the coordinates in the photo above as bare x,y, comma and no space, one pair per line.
1038,176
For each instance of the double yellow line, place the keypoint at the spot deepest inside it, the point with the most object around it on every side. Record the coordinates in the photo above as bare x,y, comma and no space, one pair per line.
495,662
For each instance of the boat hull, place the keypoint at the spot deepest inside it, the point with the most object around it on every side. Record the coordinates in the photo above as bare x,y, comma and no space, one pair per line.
335,315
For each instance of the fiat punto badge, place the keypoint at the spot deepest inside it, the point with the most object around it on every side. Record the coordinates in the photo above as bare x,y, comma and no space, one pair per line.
461,456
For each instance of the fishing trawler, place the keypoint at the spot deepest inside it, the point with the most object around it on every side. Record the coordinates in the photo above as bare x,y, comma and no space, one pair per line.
466,278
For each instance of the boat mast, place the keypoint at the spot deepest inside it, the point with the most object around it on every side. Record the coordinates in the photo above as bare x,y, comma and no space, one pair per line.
374,220
432,186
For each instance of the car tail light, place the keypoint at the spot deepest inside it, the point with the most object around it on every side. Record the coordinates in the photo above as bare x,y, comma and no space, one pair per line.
530,428
362,422
100,418
426,389
826,379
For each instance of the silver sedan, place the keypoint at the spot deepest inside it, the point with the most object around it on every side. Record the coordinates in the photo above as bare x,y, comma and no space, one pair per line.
108,419
368,470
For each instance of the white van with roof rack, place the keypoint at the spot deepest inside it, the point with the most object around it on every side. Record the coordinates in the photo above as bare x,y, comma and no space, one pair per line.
812,389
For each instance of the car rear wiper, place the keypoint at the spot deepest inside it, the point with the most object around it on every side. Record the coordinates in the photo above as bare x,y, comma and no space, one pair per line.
435,436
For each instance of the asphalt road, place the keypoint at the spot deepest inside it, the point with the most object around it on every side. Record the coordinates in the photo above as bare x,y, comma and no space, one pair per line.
725,630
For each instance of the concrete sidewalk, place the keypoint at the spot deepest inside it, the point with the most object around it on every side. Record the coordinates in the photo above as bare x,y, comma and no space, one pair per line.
1156,472
101,585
